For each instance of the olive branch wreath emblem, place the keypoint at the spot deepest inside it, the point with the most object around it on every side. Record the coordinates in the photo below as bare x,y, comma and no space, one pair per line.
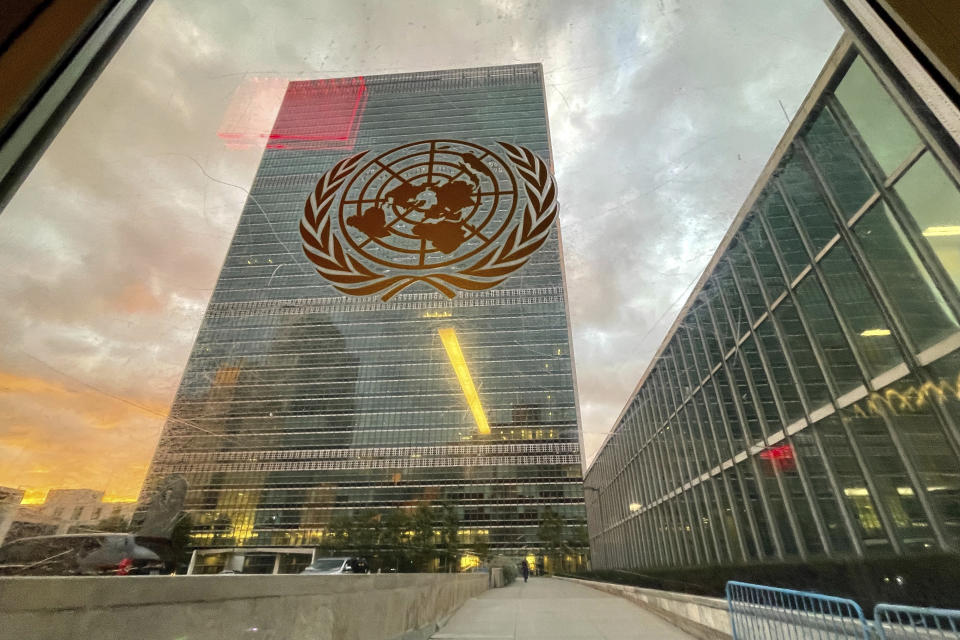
348,274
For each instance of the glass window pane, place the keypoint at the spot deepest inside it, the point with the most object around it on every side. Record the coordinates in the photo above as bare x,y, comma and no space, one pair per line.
720,320
808,369
881,124
709,334
839,163
766,263
784,232
752,426
893,485
934,202
908,405
768,406
729,411
945,391
805,448
780,375
748,279
905,280
860,500
860,311
813,212
828,335
741,323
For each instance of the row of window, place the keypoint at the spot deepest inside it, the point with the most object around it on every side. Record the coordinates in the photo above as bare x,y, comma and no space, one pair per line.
790,414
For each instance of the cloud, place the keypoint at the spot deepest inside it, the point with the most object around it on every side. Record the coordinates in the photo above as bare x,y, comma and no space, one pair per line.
662,115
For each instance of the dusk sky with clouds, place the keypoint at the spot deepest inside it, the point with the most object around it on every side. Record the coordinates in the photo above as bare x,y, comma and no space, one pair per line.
662,115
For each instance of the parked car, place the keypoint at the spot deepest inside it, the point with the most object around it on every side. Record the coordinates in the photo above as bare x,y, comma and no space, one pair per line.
336,566
78,554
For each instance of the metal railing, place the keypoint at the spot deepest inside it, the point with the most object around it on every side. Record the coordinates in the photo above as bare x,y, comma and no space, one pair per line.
899,622
759,612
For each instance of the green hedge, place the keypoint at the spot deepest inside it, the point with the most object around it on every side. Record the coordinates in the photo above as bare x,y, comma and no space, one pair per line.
931,580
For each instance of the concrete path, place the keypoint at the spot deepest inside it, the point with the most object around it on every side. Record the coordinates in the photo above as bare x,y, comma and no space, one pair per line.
552,609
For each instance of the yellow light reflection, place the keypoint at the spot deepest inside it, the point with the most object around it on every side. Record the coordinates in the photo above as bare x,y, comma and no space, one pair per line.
947,230
34,496
452,345
870,333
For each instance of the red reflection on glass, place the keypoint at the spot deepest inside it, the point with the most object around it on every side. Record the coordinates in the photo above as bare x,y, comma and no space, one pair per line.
298,115
780,457
320,114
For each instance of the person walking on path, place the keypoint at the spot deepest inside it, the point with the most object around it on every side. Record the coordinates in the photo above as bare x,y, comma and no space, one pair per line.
525,569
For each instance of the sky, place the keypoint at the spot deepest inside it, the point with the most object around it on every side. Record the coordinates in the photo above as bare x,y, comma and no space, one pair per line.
662,115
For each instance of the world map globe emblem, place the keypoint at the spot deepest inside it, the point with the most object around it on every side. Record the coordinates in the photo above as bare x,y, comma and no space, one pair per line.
428,204
447,213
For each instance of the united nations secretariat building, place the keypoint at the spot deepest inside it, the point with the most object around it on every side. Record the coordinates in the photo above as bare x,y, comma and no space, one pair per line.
389,330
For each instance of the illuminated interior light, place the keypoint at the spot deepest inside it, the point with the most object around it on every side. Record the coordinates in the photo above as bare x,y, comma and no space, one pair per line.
635,506
856,491
452,346
871,333
438,314
935,232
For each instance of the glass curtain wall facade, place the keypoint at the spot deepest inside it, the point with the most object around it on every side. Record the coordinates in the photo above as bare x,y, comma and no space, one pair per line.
807,401
300,404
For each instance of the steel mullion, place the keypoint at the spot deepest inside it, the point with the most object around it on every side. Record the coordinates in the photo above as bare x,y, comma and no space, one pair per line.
727,433
747,437
801,392
898,331
671,484
682,418
909,227
792,518
669,553
672,440
805,482
882,512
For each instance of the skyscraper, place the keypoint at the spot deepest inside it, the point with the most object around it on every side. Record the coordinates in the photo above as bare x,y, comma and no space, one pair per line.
301,402
805,402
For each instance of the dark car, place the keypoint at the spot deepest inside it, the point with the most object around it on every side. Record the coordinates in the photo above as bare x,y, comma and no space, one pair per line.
78,554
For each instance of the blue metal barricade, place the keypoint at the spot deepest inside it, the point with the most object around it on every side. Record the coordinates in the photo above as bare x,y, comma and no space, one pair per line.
758,612
896,622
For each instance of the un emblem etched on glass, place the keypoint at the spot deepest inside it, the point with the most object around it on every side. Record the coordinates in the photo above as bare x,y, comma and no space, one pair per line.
447,213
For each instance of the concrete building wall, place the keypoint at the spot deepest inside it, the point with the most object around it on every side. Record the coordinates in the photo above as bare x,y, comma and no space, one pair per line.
362,607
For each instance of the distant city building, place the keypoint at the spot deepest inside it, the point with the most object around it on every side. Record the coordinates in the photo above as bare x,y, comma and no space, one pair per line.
300,404
9,503
806,402
67,511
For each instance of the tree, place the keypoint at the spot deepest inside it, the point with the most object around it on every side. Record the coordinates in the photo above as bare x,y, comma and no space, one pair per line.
365,533
423,547
449,535
338,535
551,533
393,540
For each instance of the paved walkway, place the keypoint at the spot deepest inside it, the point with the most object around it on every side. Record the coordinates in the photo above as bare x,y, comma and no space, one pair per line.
551,609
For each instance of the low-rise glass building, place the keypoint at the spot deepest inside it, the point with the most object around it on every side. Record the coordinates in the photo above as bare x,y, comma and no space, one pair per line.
807,400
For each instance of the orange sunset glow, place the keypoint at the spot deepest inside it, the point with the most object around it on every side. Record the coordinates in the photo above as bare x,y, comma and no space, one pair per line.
67,435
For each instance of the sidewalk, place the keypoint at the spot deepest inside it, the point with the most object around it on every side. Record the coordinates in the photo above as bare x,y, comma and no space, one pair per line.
550,609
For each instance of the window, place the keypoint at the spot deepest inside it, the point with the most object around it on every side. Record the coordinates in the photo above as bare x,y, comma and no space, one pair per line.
859,310
908,286
784,232
812,210
839,163
828,335
878,121
934,202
